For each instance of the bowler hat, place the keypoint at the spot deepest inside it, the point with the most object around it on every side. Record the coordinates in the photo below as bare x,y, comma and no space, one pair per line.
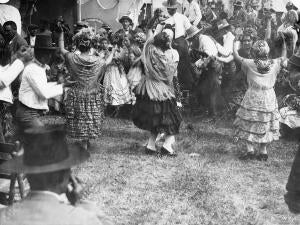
44,41
171,4
125,17
45,150
191,32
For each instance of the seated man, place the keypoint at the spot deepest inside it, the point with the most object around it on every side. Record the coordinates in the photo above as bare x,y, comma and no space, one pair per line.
54,197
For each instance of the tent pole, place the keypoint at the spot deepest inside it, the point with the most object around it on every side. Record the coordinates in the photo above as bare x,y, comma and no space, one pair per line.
79,10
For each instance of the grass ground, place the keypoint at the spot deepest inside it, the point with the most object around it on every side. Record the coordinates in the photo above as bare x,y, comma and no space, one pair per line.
205,184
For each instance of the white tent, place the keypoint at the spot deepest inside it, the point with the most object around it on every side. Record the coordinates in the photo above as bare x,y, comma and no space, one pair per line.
109,11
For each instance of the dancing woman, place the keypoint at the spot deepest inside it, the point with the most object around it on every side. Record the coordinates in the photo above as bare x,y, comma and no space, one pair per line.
84,103
257,118
156,109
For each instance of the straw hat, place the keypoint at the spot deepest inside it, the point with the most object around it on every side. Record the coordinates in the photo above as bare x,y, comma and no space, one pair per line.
125,17
171,4
191,32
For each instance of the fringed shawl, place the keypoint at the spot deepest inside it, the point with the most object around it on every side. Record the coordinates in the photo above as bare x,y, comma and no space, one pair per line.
85,69
157,80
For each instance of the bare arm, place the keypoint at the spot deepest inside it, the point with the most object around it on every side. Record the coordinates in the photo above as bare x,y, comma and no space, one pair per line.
236,55
61,44
284,51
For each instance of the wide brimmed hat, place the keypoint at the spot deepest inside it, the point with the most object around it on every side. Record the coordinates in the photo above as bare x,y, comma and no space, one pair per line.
125,17
239,3
44,41
191,32
171,4
222,24
45,150
4,1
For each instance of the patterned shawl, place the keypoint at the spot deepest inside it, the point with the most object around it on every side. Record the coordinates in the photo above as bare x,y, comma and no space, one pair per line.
85,69
157,81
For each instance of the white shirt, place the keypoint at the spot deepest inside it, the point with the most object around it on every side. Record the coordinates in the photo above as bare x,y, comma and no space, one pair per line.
34,90
10,13
192,12
228,40
7,75
210,47
181,22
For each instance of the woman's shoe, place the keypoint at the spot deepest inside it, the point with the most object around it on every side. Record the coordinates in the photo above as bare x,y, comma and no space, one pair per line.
262,157
165,152
149,151
248,156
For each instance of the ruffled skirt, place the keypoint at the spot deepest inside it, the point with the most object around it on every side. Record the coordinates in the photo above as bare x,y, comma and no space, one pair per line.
84,113
257,120
157,116
117,90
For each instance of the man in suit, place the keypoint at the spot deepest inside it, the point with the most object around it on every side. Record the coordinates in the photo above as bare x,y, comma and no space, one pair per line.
54,197
13,41
33,30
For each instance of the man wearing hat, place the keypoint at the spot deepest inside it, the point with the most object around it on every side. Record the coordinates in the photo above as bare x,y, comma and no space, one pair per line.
34,90
127,24
181,24
7,75
239,14
10,13
192,11
33,31
54,196
208,47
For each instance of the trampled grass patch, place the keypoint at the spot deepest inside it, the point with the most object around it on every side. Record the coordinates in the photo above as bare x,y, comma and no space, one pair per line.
205,184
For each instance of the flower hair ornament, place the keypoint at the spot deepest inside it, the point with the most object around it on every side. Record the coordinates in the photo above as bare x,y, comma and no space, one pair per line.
260,51
84,37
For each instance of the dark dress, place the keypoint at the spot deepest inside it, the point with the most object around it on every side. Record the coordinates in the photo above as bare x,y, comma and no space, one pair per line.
84,102
156,108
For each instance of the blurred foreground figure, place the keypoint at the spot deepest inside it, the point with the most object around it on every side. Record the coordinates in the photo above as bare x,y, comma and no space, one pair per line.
55,193
292,197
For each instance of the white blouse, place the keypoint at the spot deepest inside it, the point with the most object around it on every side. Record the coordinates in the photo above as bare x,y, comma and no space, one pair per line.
35,90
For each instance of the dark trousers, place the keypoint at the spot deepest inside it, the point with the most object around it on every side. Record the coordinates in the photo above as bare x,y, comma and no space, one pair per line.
26,118
3,111
185,76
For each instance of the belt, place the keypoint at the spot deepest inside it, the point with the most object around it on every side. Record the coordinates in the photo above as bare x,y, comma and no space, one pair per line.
26,107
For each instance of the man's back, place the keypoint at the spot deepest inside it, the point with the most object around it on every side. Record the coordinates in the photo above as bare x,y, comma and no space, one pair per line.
45,209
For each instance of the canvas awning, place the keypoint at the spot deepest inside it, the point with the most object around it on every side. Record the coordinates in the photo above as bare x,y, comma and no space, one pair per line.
109,11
